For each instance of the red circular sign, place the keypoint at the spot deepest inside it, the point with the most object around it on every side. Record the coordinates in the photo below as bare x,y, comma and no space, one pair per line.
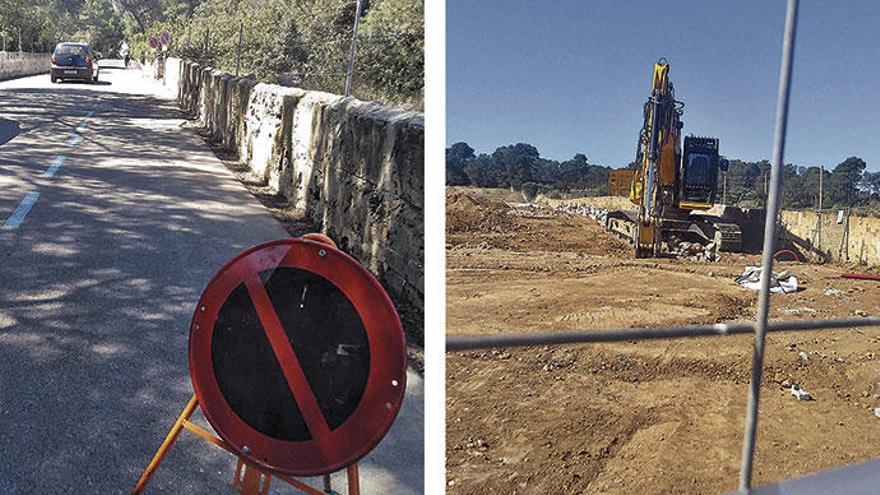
297,357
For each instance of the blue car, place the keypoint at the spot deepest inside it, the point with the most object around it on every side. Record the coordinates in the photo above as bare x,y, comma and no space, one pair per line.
74,61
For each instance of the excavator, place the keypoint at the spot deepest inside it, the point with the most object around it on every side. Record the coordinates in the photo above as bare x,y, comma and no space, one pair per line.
673,182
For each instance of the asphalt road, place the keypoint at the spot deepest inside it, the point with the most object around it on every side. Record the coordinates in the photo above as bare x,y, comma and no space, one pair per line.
103,256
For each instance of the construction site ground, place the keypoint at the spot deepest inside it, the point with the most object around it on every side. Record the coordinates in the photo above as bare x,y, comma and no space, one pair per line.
648,417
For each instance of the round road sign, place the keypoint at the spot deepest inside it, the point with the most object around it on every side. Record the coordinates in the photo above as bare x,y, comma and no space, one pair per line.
154,42
297,357
166,38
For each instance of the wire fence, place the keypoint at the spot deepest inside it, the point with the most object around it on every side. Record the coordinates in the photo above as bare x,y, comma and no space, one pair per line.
759,327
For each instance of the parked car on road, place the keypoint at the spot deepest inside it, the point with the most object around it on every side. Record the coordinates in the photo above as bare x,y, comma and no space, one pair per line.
74,61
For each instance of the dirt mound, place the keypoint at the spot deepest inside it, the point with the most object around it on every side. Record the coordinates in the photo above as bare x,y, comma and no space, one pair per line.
470,213
474,220
634,417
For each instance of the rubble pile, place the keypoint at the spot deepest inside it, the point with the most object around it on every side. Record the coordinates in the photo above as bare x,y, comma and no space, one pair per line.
598,214
693,251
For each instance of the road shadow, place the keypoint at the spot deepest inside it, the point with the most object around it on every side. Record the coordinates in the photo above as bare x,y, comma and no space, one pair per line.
98,289
8,130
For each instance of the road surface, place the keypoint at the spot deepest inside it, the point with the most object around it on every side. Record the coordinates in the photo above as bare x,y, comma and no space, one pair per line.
112,220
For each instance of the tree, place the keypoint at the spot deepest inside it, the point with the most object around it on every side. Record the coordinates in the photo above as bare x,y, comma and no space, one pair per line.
101,25
456,157
843,184
871,183
482,172
392,48
516,164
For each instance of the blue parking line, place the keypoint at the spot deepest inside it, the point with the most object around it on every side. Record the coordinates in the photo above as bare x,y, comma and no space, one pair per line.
23,209
56,164
74,139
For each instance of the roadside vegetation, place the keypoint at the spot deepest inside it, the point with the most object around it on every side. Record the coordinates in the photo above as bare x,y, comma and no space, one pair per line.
521,168
304,43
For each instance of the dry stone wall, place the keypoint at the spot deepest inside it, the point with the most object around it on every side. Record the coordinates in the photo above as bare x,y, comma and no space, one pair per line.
355,168
852,240
14,64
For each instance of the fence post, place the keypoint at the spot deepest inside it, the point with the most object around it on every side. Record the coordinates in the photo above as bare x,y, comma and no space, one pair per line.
751,423
357,19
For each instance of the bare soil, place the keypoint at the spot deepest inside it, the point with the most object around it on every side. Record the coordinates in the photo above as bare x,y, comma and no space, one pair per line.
639,417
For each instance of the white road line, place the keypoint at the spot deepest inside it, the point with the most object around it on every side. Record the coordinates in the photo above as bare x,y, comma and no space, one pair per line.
24,207
74,139
50,172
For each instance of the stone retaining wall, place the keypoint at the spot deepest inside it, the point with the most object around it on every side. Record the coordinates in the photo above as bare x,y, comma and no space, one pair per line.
15,64
355,168
856,240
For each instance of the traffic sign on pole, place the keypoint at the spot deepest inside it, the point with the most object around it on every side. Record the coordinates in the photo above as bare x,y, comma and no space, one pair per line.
154,42
297,357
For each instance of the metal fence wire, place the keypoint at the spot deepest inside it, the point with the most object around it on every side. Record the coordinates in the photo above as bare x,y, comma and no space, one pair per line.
759,327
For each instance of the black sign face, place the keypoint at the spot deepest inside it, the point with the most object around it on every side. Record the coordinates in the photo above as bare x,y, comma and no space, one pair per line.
324,330
297,357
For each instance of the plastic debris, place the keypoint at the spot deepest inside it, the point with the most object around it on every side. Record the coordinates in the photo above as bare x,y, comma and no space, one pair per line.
800,393
782,282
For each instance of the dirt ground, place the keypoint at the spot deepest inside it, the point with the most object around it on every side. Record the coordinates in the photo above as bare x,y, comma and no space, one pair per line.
644,417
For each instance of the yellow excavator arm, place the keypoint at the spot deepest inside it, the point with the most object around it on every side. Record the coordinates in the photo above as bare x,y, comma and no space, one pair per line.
669,181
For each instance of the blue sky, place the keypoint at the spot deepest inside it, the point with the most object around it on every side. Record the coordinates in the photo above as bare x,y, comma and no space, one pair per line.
572,76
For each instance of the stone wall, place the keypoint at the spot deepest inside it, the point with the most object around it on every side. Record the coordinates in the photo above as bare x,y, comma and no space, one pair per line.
853,240
355,168
15,64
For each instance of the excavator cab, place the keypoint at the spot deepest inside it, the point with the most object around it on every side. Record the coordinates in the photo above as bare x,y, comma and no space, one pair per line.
698,173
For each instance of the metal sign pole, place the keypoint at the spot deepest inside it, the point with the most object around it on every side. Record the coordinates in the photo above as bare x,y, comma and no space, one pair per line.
748,452
357,20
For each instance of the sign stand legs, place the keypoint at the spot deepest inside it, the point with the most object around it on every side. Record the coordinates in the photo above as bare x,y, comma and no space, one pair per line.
163,449
248,479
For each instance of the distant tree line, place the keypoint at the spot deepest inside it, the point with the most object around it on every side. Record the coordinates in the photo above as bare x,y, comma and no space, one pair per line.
38,25
520,167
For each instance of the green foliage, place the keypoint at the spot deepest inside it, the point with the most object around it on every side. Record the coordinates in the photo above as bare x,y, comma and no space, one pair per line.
296,42
456,157
101,25
41,24
520,166
392,51
305,43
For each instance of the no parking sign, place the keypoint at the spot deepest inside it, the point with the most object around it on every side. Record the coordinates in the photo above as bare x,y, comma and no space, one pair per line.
298,361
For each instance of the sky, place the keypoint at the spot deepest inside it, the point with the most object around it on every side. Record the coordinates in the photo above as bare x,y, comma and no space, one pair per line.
572,76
